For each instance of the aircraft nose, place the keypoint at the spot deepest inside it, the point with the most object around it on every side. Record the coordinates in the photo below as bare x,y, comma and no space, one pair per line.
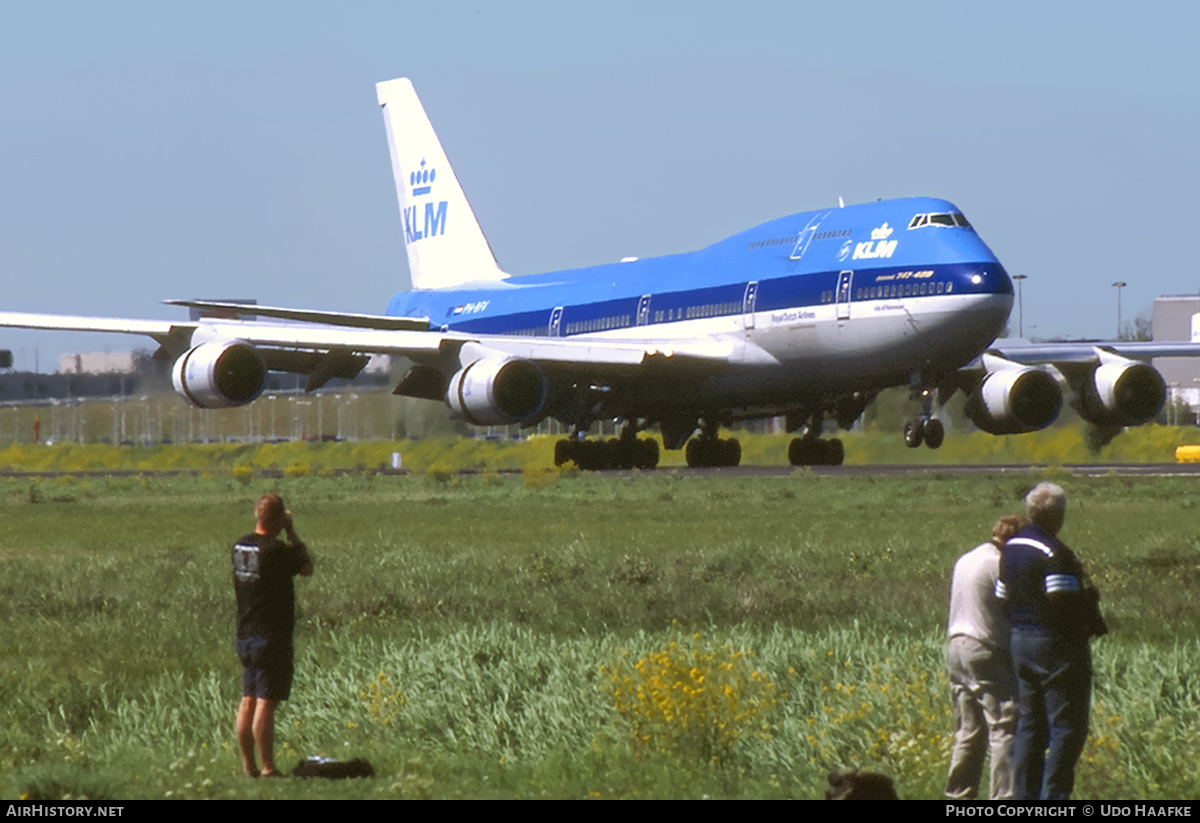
1003,283
991,279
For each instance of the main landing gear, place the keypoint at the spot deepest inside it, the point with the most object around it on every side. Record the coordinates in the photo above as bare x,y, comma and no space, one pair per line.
709,451
812,451
625,452
809,449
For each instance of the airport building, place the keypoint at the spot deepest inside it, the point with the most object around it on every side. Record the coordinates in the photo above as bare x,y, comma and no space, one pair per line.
33,388
97,362
1177,317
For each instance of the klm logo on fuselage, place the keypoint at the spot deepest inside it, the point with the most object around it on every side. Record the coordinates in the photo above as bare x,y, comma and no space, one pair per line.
878,246
435,213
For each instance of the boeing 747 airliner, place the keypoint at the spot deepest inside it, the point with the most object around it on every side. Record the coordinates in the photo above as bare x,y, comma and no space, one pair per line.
806,317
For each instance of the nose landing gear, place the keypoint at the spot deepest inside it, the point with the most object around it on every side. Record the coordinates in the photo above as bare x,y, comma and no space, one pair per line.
926,428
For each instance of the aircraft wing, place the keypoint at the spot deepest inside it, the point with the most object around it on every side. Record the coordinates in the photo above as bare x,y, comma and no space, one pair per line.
1022,351
420,345
67,322
1017,386
176,337
170,336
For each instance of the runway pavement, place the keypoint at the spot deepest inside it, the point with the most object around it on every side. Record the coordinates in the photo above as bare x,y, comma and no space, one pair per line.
998,470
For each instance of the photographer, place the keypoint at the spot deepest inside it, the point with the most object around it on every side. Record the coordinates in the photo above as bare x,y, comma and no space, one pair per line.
263,568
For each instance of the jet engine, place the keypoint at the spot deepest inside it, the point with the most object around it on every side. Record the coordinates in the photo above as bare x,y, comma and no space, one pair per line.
1120,392
497,391
1015,400
220,374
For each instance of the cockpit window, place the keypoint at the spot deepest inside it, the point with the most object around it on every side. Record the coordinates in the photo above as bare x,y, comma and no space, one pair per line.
939,219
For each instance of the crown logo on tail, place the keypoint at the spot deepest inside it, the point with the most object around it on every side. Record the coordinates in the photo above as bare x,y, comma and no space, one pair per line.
422,180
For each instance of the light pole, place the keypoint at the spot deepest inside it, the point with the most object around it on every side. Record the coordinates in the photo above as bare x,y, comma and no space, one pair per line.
1020,306
1120,284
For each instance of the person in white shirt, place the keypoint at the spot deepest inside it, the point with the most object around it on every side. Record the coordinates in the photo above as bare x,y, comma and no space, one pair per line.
982,683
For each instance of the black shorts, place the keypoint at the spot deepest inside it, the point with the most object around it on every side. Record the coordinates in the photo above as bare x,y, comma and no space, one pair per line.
266,667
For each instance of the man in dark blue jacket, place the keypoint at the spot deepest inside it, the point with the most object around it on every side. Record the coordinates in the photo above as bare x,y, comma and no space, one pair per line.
1052,617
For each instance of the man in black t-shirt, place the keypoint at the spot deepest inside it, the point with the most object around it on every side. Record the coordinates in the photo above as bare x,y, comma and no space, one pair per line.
263,568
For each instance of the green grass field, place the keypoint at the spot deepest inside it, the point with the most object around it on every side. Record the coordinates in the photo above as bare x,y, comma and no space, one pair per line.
1063,444
563,635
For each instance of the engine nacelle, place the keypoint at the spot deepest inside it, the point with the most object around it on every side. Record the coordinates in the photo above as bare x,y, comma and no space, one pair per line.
497,391
1015,401
1120,393
220,374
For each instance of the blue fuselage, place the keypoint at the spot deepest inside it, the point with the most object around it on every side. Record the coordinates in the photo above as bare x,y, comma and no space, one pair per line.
822,303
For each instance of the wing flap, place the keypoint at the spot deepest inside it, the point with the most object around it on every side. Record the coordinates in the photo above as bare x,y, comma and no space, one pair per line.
361,321
611,352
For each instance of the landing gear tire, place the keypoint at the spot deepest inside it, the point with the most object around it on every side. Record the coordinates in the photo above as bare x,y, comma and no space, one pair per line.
647,454
705,453
835,452
805,452
731,451
800,452
614,453
620,453
934,432
913,434
590,456
562,452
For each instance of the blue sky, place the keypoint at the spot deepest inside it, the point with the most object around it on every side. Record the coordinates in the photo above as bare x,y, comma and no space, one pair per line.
154,150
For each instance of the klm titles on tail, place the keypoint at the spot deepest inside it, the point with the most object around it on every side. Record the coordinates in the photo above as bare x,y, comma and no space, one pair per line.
435,215
435,222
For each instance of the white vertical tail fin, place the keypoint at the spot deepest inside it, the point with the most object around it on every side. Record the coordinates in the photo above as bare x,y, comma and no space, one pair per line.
446,246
